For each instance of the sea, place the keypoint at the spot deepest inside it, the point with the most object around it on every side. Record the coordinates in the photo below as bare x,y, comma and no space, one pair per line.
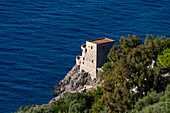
39,40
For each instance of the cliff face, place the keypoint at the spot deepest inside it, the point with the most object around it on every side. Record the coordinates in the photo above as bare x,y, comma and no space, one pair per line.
74,81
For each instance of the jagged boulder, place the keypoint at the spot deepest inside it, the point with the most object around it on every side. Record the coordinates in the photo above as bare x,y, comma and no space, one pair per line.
72,81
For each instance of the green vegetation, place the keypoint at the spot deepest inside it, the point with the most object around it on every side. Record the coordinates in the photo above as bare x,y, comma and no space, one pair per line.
107,67
163,60
131,70
131,83
70,103
154,103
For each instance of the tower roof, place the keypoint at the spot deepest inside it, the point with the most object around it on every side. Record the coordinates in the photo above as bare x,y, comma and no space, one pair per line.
101,40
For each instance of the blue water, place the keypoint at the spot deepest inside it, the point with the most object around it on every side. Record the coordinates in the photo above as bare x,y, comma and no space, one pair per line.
39,39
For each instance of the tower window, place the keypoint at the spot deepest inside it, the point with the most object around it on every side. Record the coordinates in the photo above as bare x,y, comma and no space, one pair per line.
92,61
83,58
91,47
83,62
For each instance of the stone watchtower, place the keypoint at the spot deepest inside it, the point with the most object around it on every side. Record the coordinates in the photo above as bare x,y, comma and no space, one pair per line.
94,55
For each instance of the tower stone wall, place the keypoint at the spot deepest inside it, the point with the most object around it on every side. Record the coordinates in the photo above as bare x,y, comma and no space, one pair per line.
103,50
94,55
89,59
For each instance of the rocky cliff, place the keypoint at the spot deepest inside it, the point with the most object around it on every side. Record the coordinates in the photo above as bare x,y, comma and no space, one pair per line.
74,81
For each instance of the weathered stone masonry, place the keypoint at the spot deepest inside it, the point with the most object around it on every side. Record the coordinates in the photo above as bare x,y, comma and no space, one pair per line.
94,55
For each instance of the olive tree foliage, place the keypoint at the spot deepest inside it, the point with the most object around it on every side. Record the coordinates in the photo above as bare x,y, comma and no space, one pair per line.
132,78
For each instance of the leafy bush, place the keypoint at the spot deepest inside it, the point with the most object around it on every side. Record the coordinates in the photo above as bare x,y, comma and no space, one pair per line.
164,60
97,93
63,108
105,110
45,108
168,42
167,94
107,67
97,107
150,99
154,103
24,109
74,102
77,106
160,107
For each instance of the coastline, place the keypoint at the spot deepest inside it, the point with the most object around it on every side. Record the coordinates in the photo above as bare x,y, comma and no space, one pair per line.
74,82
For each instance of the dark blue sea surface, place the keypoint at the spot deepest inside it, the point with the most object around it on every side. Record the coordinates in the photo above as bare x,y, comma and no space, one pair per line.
39,39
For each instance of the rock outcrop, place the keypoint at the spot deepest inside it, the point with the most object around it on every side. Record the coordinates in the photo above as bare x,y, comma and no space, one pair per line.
74,81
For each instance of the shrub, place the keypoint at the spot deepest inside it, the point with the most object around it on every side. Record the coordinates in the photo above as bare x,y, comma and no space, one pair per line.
157,108
97,93
164,60
107,67
150,99
97,107
154,103
64,107
24,109
76,107
168,42
167,94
